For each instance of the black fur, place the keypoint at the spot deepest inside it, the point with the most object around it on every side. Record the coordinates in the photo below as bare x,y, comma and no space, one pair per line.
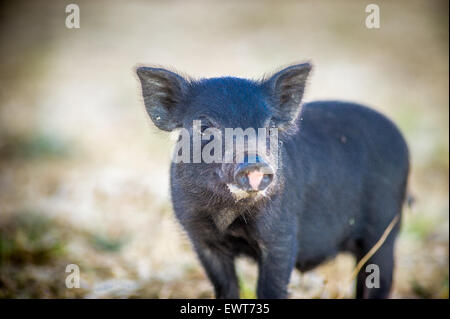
341,179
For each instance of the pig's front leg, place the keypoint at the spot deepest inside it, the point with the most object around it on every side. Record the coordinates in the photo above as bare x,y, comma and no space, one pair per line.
219,267
277,260
274,273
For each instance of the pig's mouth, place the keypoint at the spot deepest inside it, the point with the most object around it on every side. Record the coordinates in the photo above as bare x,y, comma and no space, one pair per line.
240,195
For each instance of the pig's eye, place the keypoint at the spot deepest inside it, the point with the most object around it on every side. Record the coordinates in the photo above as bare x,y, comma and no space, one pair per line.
204,127
272,124
205,124
207,135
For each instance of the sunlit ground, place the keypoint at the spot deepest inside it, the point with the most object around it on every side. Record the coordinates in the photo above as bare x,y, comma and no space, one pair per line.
84,174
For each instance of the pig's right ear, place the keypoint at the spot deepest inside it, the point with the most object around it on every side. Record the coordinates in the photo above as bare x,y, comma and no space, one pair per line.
163,91
286,89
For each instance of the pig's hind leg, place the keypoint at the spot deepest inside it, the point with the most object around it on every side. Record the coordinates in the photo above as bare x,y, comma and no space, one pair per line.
374,279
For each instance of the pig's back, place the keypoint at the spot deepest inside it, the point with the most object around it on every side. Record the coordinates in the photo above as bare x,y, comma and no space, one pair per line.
348,130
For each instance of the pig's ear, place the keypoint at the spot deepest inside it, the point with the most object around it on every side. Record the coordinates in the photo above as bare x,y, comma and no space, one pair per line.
163,91
286,89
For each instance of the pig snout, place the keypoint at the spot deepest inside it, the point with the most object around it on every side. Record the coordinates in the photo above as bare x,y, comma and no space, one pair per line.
253,176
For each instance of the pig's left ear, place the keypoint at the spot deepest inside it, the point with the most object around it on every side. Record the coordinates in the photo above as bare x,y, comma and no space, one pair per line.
285,89
163,92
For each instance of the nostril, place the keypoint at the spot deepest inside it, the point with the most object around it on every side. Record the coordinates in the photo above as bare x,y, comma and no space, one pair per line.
242,180
266,180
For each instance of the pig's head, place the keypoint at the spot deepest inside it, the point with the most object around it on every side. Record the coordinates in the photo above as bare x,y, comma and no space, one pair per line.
211,113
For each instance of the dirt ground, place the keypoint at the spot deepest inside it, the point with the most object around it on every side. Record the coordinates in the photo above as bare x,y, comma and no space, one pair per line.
84,173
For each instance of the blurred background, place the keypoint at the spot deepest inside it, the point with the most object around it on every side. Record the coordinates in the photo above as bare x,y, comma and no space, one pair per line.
84,173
